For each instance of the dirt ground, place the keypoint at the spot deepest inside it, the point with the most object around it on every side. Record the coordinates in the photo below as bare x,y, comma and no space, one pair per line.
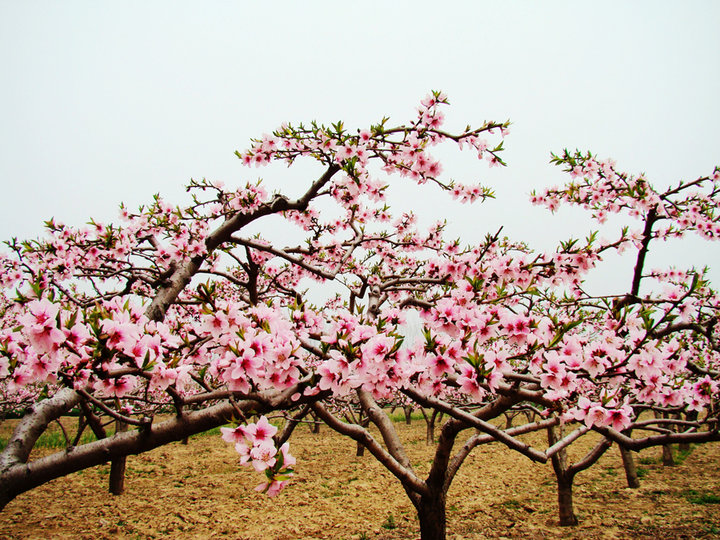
199,491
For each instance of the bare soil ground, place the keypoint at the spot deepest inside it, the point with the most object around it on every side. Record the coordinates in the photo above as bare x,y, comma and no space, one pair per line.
199,491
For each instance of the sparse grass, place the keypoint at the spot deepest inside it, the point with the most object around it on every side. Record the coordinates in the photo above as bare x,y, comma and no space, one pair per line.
52,439
642,472
695,497
399,416
389,523
610,471
213,431
682,455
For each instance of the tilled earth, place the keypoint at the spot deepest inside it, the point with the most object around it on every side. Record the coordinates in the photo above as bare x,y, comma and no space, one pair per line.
199,491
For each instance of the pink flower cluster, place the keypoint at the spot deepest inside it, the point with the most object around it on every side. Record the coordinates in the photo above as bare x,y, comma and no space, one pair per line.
254,442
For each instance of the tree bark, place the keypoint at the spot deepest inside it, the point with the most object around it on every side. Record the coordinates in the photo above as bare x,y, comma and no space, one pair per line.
117,466
431,514
668,460
430,421
430,431
691,416
117,476
630,468
565,502
18,476
564,478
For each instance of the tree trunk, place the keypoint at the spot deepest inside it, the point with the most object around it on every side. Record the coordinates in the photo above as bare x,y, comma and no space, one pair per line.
564,478
430,433
117,466
431,421
408,414
667,456
630,468
431,514
359,449
691,416
565,503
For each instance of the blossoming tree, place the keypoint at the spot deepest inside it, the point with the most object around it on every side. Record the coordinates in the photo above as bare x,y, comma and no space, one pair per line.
187,310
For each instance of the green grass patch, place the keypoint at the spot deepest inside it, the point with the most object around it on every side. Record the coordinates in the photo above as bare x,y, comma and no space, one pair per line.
213,431
696,497
53,440
681,455
399,416
389,523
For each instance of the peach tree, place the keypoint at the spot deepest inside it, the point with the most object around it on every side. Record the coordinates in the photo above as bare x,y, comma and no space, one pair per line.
180,319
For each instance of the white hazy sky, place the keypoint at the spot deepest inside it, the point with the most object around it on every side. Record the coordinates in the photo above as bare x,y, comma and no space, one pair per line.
102,102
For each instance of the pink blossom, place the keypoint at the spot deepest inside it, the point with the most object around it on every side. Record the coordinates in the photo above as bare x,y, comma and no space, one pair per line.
40,326
263,455
261,432
272,488
233,435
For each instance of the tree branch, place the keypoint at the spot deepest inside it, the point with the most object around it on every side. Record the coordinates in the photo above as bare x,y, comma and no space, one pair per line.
361,435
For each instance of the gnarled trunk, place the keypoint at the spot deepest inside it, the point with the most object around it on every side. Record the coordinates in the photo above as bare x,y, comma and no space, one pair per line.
431,514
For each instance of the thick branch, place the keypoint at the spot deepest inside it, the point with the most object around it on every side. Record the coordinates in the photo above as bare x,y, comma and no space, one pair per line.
361,435
474,421
20,477
640,262
386,427
591,457
565,441
181,277
658,440
33,425
478,439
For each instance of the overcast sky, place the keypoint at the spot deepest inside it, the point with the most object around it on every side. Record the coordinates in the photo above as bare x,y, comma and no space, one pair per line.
103,102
